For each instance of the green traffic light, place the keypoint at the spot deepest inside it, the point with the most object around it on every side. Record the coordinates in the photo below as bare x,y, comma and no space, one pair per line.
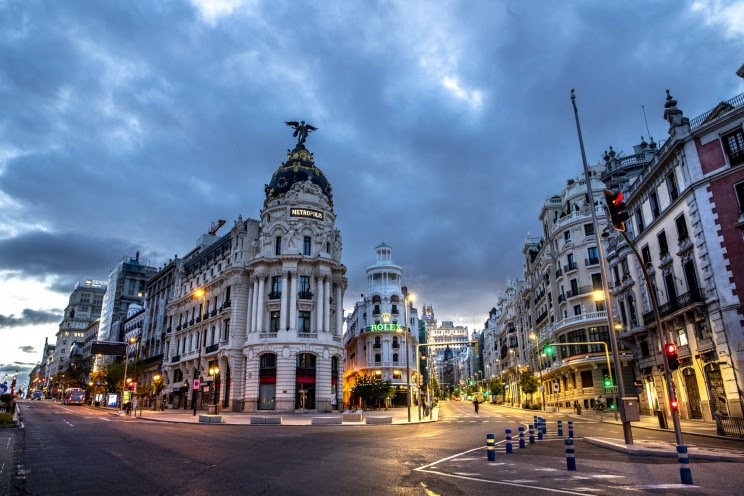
548,350
607,382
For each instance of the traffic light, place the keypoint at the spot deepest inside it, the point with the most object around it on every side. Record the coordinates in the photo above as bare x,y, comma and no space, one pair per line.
607,382
674,404
549,349
618,211
671,353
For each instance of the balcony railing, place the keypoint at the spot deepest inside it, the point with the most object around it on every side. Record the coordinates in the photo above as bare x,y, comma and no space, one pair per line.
275,295
541,317
682,301
305,295
579,291
558,273
580,318
267,335
307,335
591,261
175,358
198,319
191,322
226,304
213,313
569,267
212,348
178,328
377,346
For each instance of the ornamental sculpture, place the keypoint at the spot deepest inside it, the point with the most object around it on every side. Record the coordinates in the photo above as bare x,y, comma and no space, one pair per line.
301,130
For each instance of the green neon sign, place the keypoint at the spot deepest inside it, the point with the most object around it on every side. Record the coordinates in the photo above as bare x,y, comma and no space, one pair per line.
385,327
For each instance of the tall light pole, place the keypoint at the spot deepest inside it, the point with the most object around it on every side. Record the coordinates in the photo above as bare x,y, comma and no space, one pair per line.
627,433
407,297
533,337
198,293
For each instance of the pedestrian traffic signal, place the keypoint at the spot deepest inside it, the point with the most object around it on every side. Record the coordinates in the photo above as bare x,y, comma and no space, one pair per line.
607,382
618,211
674,404
671,353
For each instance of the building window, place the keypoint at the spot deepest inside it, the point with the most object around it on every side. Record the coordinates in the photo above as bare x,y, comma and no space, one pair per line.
567,235
274,321
304,284
278,246
653,199
395,342
682,333
577,309
597,281
733,143
588,229
306,244
303,322
593,255
395,358
644,349
671,181
226,330
378,358
397,374
276,288
739,188
646,255
663,246
639,221
681,228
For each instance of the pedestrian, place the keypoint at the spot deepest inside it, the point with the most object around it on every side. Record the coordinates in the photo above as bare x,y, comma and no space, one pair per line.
135,403
128,407
475,405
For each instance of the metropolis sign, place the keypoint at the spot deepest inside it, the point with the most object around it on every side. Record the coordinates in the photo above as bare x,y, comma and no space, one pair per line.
306,212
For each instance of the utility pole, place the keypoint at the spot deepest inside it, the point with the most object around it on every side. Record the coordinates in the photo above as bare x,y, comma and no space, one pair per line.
627,433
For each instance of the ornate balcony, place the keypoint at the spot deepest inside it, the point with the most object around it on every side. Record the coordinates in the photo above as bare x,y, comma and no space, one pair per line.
275,295
305,295
212,348
569,267
175,358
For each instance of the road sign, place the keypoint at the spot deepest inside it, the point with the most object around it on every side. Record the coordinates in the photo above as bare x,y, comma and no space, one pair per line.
196,383
3,388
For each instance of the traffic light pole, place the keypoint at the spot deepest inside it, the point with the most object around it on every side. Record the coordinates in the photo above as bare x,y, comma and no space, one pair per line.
657,317
627,433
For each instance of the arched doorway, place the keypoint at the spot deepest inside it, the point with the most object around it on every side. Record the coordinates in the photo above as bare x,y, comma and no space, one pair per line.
718,401
267,382
305,382
693,393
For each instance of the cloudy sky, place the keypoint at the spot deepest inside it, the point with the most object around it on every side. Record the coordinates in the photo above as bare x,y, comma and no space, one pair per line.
442,126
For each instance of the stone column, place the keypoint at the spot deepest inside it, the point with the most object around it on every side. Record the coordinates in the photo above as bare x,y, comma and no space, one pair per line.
293,303
314,311
254,305
339,311
283,305
319,305
249,319
327,305
260,305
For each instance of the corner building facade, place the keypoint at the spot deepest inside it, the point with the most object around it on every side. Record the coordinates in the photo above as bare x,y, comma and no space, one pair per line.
273,311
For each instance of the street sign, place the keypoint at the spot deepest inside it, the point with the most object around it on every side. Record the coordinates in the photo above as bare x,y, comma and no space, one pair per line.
196,383
3,388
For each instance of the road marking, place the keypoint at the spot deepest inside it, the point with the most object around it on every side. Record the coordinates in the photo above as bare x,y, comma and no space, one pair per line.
429,492
66,422
8,445
451,457
504,483
667,486
101,418
608,476
23,426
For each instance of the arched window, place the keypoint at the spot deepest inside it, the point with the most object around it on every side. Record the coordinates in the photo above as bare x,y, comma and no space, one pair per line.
378,358
377,342
395,358
395,342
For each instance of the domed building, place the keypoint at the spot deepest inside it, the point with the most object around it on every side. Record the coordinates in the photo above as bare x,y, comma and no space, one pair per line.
266,335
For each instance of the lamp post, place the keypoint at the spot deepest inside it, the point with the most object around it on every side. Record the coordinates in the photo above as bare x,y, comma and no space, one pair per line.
407,297
155,393
533,337
198,293
215,373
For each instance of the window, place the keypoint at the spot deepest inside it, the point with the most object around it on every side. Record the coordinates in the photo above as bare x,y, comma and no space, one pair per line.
733,143
739,188
577,309
395,342
616,272
682,333
639,221
646,255
567,235
306,244
303,322
274,321
597,281
644,349
588,229
328,247
653,200
276,285
671,181
226,329
378,358
395,358
304,284
397,374
663,246
681,228
593,255
632,308
278,246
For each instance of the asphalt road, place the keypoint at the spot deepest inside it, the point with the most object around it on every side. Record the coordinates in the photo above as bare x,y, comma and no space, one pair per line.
84,451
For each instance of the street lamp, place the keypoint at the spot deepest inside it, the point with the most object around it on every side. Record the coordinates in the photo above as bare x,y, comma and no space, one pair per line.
215,373
533,337
407,297
198,293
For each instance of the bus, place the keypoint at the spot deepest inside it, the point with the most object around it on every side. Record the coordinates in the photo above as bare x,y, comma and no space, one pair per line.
74,396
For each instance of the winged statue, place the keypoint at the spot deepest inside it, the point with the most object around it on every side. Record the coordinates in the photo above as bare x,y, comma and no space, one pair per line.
301,130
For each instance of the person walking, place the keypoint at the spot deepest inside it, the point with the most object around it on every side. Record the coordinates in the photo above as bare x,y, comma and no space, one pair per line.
475,405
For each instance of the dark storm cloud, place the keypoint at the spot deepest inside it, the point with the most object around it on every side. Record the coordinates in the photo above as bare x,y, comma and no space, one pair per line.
27,349
30,317
442,127
12,368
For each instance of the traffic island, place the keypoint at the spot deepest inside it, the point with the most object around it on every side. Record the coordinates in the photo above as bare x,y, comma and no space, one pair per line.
665,450
379,420
326,421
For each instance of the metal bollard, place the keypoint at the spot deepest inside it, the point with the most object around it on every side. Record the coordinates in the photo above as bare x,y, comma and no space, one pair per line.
544,426
532,434
534,419
491,447
508,440
560,428
684,470
521,437
570,429
539,433
570,459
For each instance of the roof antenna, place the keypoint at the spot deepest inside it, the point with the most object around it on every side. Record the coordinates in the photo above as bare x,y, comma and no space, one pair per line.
648,133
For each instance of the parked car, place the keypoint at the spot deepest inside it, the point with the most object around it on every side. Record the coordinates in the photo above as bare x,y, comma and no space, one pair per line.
37,395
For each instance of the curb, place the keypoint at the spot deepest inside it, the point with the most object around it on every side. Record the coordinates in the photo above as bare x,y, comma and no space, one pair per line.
347,424
684,432
665,453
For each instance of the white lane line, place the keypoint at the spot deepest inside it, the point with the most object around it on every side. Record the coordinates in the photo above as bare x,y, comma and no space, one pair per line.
66,422
101,418
23,426
8,445
504,483
450,458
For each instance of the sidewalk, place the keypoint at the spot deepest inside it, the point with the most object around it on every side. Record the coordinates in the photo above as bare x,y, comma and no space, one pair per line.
399,416
651,422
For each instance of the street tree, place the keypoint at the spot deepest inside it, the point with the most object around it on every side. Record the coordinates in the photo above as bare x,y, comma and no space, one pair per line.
528,383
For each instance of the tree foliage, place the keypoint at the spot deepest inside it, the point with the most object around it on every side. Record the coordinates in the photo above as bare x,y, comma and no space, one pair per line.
528,382
373,391
496,386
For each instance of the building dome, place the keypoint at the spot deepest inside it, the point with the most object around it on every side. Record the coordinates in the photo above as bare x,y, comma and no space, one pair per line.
298,168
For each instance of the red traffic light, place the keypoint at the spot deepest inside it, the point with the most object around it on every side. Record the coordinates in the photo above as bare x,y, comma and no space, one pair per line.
671,349
674,404
617,209
618,198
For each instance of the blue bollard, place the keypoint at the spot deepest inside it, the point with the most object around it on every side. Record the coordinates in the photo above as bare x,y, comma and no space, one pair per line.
521,437
508,440
534,419
544,426
491,447
570,429
539,433
532,434
570,458
560,428
684,470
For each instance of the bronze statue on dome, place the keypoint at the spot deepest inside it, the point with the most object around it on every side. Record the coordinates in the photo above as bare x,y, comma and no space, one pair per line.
301,130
